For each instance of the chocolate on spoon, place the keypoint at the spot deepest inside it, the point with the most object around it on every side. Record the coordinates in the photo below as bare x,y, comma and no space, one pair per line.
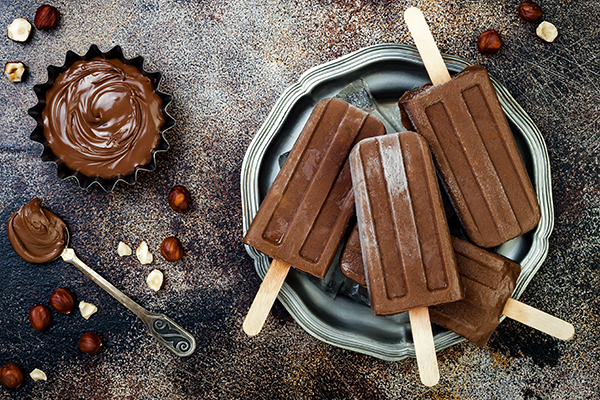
39,236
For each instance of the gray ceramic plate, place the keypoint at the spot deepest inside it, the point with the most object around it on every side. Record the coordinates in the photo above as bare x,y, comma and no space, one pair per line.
333,310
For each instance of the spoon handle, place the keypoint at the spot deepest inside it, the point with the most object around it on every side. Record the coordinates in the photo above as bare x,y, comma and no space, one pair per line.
161,327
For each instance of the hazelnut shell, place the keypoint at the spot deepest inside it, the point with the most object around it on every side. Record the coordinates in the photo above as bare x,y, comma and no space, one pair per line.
62,300
90,343
529,11
46,17
171,249
39,317
11,375
489,42
179,198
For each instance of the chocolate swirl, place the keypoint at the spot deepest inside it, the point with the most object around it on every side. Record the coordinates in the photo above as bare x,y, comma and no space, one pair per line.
102,118
36,234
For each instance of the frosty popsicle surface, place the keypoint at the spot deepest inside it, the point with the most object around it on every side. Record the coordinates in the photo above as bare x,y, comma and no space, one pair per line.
473,147
306,211
488,280
408,257
406,247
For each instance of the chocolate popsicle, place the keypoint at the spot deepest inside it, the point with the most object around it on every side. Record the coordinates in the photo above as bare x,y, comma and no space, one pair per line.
488,280
306,212
472,145
404,236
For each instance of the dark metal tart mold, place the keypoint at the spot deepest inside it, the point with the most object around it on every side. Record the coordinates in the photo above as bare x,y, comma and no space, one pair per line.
47,155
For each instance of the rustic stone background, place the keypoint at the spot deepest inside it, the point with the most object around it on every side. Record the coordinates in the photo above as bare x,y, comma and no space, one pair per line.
226,63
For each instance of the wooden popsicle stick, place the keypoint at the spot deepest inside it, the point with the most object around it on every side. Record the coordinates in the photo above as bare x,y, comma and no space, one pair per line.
424,346
432,59
537,319
265,297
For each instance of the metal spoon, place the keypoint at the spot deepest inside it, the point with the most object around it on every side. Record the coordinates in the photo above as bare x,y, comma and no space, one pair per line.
161,327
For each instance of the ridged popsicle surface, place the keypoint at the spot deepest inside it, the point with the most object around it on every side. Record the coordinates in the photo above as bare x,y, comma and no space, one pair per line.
408,256
307,209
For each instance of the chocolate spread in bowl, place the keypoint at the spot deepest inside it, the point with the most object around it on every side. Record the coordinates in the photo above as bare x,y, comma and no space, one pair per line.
36,234
102,118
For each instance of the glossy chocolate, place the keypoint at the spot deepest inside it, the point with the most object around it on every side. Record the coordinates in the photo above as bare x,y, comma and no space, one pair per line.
102,118
36,234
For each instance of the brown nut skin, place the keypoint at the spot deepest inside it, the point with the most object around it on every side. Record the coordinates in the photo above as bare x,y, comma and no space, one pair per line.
90,343
62,300
529,11
489,42
11,375
171,249
39,316
46,17
179,198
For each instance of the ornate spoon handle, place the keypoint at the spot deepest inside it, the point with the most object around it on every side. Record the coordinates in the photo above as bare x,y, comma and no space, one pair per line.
161,327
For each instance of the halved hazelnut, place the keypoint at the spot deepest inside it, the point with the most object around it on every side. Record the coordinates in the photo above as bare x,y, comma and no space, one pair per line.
87,309
19,30
547,31
123,249
155,280
38,375
15,71
143,254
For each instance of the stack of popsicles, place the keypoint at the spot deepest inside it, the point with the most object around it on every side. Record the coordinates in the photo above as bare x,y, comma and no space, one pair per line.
402,249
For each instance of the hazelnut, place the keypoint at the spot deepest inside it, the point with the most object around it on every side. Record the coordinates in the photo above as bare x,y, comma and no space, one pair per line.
38,375
62,301
143,254
19,30
11,375
529,11
179,198
87,309
39,316
15,71
90,343
171,249
489,42
155,280
46,17
123,249
547,31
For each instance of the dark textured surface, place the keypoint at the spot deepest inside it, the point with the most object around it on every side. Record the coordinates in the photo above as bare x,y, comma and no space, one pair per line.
226,63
